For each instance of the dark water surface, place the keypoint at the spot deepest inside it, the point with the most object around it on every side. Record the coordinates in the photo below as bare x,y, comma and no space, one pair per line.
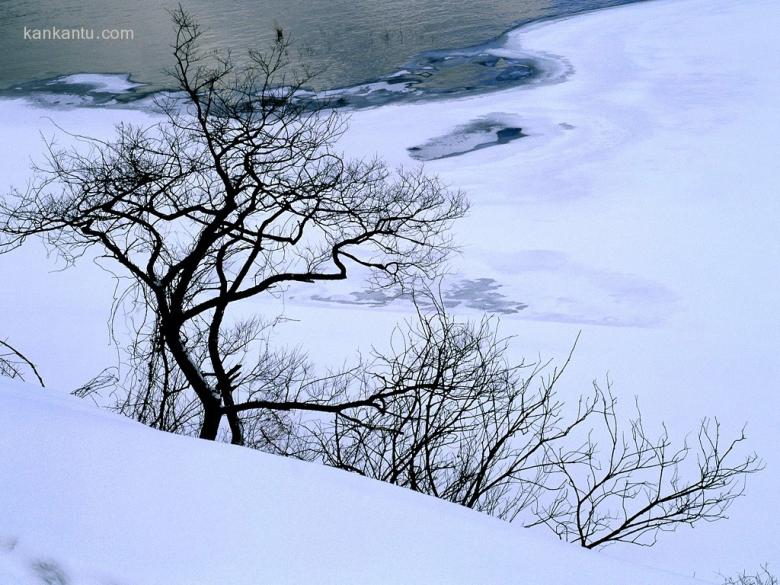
350,41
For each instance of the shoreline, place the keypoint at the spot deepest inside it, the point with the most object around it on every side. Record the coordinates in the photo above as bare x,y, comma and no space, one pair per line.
409,82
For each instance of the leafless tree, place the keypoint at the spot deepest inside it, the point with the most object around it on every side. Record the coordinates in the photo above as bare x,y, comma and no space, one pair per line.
14,363
237,192
626,485
457,420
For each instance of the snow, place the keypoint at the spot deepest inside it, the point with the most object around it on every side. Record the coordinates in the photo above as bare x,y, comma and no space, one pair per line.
640,208
99,82
107,500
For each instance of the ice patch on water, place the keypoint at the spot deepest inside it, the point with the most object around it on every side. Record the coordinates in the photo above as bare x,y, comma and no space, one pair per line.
478,293
100,83
533,285
452,73
80,90
482,132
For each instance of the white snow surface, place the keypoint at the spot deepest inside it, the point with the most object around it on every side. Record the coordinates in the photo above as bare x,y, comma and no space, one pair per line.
100,82
642,211
102,500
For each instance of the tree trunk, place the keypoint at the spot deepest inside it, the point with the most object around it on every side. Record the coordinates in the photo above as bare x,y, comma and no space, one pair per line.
210,427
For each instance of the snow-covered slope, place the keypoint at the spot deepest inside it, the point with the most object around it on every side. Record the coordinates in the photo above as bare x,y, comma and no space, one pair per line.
105,500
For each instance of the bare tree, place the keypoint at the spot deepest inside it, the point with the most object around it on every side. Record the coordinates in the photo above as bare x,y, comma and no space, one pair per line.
13,363
238,192
628,486
457,420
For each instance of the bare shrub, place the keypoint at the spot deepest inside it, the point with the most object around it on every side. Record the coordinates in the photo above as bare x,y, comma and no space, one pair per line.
628,485
762,577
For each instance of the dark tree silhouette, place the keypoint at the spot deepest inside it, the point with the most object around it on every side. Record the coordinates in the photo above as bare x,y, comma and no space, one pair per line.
237,192
466,426
628,486
460,422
